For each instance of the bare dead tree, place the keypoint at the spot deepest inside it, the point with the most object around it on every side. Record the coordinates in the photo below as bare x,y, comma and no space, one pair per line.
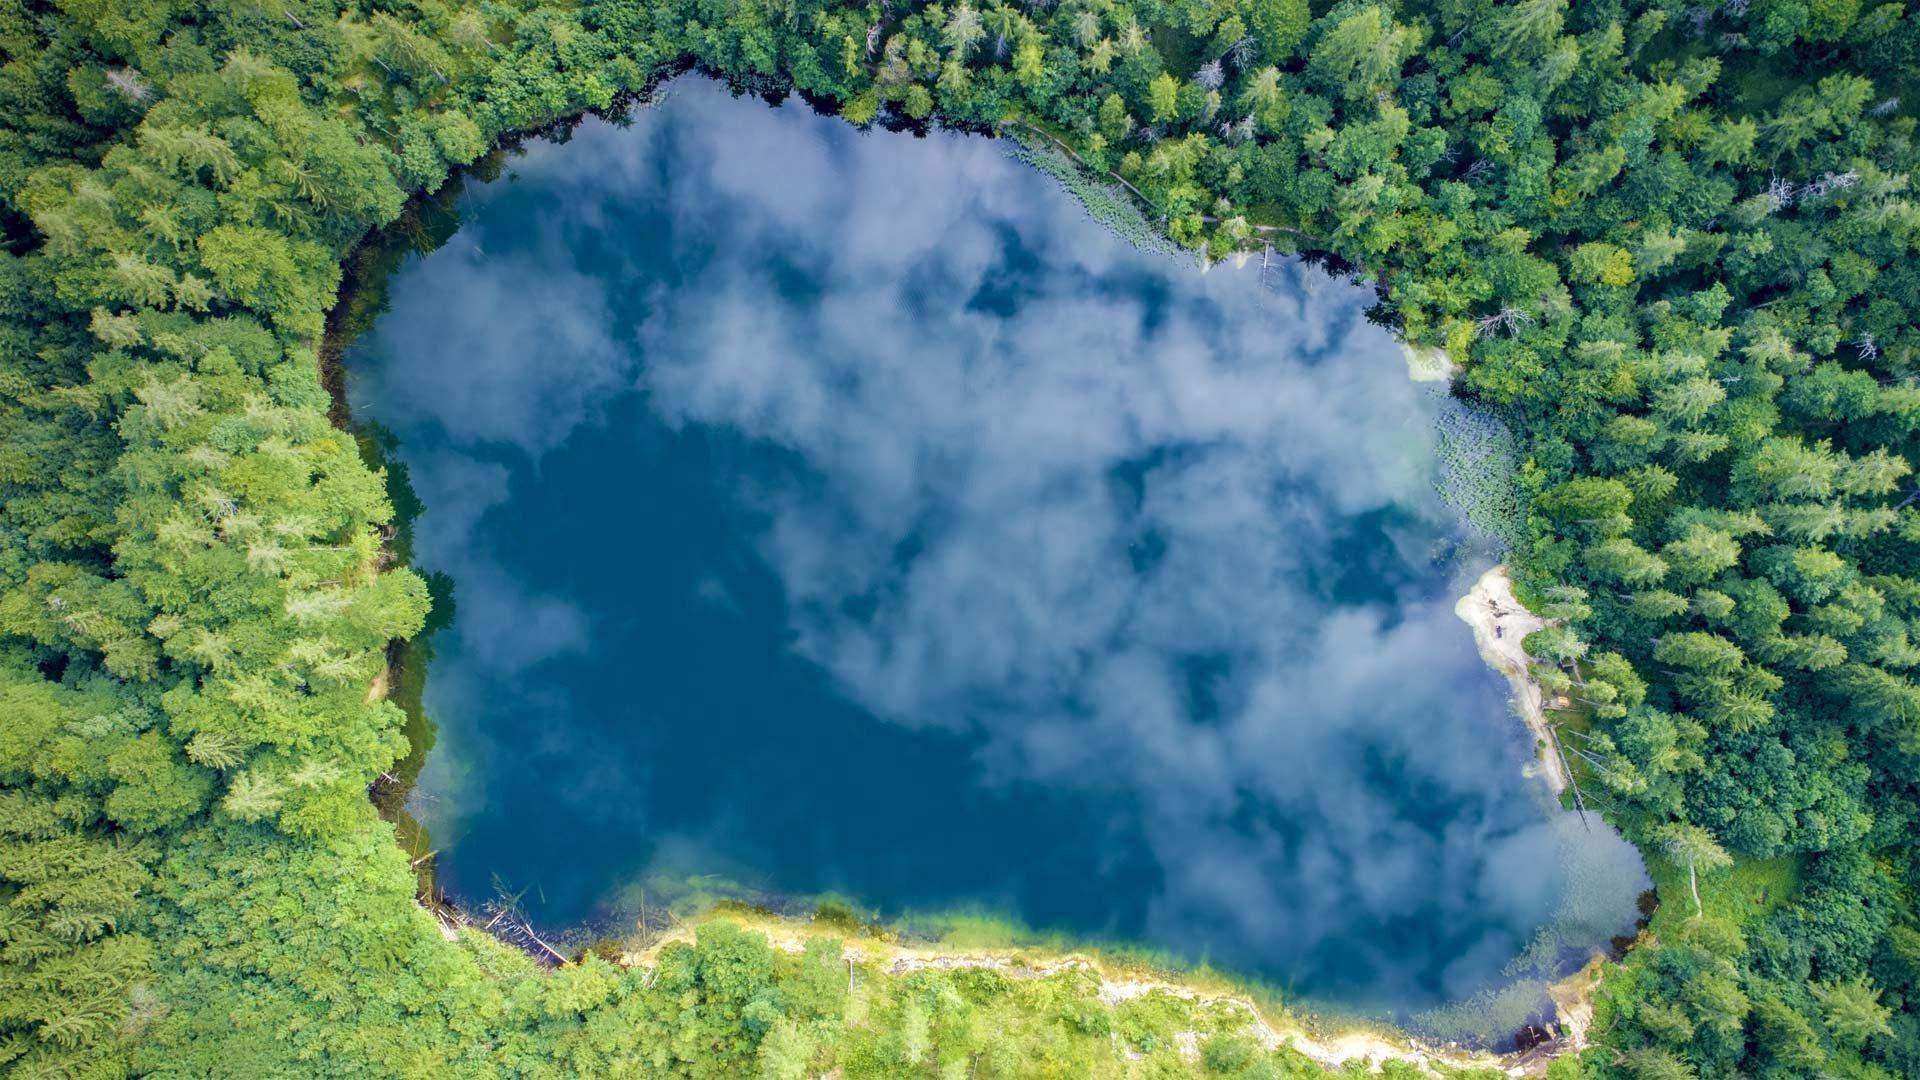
1828,184
1566,769
1509,319
510,924
1780,192
130,83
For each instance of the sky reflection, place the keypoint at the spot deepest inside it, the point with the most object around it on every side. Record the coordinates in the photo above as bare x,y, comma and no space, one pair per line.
843,512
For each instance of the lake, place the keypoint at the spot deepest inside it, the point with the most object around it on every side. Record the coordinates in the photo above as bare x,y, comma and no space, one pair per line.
850,514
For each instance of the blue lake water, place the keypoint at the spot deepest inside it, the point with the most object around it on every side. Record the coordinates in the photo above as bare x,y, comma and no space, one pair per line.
843,513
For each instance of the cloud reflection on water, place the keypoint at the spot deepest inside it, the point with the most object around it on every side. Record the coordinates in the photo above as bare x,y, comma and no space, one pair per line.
1163,540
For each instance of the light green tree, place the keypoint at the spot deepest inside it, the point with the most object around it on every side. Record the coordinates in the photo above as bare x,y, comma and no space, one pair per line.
1694,846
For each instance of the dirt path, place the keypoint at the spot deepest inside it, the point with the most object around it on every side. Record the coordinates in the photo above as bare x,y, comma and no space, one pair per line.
1499,625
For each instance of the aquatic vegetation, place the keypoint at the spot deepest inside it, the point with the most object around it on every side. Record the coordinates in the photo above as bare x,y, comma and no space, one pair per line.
1480,470
1105,202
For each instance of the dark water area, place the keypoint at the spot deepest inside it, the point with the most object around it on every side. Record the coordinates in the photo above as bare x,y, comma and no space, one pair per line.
842,513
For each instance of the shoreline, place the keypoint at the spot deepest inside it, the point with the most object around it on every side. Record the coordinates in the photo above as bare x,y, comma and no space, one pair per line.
1333,1045
1500,623
1429,364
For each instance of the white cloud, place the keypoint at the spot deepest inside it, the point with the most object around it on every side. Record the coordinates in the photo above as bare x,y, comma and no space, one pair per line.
502,624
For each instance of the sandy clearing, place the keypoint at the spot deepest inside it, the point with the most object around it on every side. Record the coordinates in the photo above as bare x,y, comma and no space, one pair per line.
1499,625
1426,363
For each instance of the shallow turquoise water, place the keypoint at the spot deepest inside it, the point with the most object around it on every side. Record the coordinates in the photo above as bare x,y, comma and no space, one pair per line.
843,513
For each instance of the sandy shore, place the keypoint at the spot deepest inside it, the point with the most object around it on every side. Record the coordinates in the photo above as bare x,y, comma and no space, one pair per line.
1428,364
1499,625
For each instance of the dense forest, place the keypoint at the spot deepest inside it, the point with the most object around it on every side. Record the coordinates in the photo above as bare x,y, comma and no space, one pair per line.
1672,241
